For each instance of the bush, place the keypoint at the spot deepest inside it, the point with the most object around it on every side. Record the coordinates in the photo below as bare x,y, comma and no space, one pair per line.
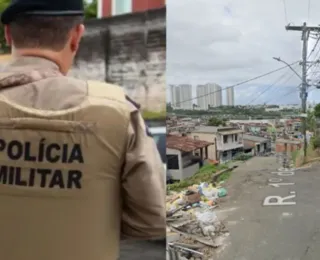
243,157
316,142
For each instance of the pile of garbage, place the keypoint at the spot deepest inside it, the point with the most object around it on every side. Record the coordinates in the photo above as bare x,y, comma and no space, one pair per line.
193,228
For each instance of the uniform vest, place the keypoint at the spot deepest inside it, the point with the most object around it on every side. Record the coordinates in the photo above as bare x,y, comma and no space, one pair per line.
60,178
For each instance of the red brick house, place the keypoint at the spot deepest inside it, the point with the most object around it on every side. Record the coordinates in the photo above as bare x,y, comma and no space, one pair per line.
107,8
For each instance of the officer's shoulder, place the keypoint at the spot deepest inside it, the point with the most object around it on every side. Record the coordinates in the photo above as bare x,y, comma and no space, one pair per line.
99,89
132,103
103,87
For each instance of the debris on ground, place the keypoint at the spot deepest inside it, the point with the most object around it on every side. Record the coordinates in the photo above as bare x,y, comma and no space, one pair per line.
193,226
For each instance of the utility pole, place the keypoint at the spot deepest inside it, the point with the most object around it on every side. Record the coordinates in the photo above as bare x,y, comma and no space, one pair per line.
304,85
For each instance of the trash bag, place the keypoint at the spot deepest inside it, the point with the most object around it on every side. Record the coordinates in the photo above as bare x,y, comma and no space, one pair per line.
206,218
222,192
207,222
210,193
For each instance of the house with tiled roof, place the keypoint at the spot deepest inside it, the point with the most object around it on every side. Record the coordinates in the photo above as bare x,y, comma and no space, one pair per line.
185,156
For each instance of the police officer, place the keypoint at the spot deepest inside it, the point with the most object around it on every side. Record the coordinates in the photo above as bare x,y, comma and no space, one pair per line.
78,168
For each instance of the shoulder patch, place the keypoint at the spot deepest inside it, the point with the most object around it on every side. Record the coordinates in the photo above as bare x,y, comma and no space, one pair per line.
136,105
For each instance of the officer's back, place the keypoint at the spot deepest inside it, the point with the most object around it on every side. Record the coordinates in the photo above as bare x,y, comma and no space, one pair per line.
78,168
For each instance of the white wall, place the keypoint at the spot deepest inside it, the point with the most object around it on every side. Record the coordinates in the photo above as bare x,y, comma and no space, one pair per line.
175,174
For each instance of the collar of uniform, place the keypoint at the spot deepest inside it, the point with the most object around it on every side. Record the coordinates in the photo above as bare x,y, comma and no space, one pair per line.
32,62
27,69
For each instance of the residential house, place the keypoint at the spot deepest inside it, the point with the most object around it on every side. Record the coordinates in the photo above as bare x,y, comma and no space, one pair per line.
185,156
256,144
107,8
227,141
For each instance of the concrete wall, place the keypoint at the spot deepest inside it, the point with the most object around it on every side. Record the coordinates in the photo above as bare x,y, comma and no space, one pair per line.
130,51
183,172
231,143
209,138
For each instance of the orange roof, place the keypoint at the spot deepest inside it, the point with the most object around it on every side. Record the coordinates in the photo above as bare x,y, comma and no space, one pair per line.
185,144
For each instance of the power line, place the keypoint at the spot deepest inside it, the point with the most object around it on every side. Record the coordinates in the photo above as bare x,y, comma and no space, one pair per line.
285,11
238,84
314,47
290,92
270,87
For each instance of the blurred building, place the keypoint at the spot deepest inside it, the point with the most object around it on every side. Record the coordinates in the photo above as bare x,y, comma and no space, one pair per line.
181,96
209,95
107,8
230,96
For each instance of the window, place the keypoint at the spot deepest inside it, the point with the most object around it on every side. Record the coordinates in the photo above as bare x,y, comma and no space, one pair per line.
121,7
173,162
225,139
236,138
160,140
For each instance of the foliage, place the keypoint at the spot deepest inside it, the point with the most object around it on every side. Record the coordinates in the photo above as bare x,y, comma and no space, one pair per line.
169,107
317,111
216,122
316,142
90,12
311,121
224,176
242,157
236,112
91,9
203,175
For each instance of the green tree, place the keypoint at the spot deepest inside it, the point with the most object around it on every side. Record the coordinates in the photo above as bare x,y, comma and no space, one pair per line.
169,107
90,12
311,121
317,111
216,122
91,9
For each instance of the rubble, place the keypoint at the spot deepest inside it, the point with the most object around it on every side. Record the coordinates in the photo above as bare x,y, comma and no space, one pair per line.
193,227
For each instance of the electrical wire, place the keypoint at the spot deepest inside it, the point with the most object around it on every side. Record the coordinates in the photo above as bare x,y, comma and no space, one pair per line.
285,11
270,87
238,84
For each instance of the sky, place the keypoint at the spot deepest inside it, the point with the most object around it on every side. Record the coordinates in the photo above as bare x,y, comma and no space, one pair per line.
229,41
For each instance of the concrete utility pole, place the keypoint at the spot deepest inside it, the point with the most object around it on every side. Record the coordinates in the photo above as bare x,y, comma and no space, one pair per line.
304,86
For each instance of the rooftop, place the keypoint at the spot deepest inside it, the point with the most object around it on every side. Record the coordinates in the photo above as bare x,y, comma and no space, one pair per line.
185,144
216,129
288,141
254,138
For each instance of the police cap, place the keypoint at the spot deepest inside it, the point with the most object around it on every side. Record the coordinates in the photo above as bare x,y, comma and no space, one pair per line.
42,7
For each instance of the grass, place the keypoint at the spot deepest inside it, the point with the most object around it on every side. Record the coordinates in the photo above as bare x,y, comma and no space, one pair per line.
294,155
298,157
203,175
224,176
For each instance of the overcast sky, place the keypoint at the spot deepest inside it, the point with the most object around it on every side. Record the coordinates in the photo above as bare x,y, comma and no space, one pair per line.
228,41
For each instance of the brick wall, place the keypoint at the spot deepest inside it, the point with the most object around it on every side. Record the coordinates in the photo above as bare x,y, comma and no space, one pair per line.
280,147
128,50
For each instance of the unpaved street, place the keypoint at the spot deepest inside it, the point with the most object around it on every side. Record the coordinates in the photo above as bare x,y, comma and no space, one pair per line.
290,231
